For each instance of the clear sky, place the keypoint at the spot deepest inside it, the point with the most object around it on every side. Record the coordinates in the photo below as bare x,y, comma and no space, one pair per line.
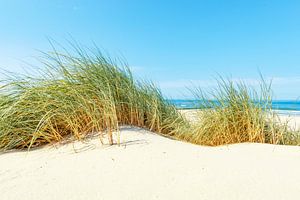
174,43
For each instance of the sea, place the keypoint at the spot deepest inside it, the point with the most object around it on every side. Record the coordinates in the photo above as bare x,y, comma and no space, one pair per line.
284,107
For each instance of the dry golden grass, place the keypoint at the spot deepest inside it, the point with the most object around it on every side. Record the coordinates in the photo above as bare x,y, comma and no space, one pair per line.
239,114
87,93
79,95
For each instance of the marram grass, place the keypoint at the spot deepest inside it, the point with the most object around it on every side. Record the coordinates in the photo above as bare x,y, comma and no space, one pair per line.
238,114
77,96
90,93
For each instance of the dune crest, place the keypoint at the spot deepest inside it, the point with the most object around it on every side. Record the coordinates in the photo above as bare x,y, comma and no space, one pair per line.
149,166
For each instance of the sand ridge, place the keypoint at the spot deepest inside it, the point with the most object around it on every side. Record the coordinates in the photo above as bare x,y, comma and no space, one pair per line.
149,166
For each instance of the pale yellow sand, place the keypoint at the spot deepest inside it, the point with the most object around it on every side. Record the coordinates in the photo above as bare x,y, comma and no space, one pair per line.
292,120
148,166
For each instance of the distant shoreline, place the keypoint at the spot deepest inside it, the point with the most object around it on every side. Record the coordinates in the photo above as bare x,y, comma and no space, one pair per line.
280,106
278,111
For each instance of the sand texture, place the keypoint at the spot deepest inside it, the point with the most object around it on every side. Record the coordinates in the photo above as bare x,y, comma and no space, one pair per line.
149,166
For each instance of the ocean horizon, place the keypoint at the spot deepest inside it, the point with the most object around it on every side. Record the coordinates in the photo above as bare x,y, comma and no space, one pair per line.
290,107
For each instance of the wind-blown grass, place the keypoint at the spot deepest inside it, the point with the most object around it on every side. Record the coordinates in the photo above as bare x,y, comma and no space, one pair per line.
239,113
87,93
79,95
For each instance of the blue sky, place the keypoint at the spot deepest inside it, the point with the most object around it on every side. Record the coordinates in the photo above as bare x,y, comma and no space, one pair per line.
174,43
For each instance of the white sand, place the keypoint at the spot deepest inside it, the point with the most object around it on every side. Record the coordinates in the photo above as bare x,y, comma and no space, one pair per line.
148,166
292,120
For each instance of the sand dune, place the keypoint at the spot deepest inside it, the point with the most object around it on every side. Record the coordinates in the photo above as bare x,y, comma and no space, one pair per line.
148,166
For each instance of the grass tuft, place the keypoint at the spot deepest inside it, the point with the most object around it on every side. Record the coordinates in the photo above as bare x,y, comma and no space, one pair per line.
79,95
238,114
86,92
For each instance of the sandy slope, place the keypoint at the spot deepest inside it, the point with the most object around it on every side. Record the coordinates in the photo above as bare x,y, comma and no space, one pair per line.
148,166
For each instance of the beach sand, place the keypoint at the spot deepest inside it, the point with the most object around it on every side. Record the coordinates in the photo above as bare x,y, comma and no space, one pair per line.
292,120
149,166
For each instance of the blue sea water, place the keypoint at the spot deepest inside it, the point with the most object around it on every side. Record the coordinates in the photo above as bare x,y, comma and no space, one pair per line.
282,107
